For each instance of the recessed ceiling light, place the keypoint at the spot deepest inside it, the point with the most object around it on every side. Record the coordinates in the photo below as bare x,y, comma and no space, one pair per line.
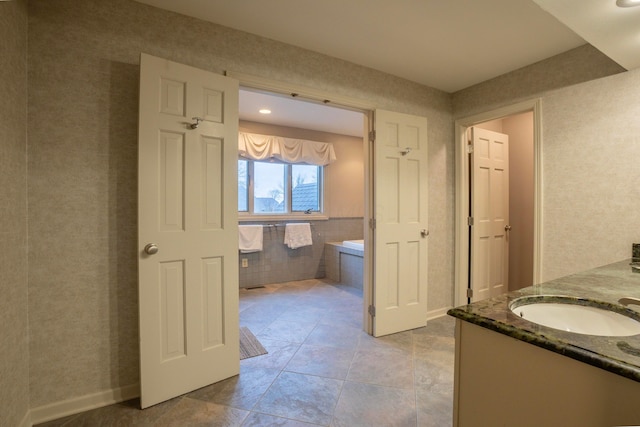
628,3
264,111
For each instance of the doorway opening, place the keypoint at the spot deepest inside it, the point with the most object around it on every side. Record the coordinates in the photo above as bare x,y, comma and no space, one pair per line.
522,123
338,209
403,138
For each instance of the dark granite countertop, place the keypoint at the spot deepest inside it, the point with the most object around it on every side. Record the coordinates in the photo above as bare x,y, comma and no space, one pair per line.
607,284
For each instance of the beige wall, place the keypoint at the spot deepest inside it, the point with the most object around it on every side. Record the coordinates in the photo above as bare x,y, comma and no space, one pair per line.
83,111
521,198
14,359
344,178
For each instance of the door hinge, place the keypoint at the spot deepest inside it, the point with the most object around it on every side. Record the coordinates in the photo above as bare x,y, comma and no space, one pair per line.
372,136
372,311
372,223
469,148
469,293
470,221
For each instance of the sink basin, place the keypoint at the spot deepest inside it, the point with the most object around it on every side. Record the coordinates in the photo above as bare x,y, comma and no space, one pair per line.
577,315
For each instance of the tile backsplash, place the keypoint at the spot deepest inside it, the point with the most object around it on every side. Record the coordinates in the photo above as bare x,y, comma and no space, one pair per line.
276,263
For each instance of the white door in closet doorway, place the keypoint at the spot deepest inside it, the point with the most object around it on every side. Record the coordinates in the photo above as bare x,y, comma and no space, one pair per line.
401,223
490,212
187,229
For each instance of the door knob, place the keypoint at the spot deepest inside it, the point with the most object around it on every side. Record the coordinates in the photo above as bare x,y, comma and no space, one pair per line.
507,228
424,233
151,249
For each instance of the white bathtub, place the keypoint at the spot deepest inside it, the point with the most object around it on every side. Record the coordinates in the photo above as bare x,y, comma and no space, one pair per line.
354,244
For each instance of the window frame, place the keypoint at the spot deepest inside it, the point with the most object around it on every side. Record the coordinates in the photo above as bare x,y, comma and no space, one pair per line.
250,215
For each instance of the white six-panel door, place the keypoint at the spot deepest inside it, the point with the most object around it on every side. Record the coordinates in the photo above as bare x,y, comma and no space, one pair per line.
188,289
490,213
401,222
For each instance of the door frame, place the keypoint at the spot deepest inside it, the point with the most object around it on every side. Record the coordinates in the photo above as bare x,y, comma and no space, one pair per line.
462,190
366,108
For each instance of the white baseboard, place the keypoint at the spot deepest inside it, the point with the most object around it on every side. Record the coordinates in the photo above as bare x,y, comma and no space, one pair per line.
64,408
26,420
434,314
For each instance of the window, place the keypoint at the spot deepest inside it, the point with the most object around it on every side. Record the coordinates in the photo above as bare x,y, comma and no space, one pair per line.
276,188
281,176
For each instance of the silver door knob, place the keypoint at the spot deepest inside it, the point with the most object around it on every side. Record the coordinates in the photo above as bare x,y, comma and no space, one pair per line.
507,228
424,233
151,249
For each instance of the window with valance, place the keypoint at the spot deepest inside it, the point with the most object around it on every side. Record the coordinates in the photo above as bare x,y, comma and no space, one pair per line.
281,176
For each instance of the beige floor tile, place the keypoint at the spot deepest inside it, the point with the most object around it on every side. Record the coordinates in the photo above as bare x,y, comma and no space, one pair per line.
328,362
301,397
192,412
242,391
384,367
371,405
263,420
320,369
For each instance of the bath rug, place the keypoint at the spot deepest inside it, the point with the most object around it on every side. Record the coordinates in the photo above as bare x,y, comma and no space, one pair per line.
249,344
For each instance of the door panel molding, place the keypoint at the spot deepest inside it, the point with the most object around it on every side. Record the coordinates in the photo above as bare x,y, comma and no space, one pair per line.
187,229
401,220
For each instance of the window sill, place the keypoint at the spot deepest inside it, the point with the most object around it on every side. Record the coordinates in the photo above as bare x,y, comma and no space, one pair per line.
312,217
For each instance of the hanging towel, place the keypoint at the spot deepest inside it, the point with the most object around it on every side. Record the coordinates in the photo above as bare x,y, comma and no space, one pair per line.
250,238
297,235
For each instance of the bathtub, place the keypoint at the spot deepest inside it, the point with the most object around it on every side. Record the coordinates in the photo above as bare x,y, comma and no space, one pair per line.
354,244
344,262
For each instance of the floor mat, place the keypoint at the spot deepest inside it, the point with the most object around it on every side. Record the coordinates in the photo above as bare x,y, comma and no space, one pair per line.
249,344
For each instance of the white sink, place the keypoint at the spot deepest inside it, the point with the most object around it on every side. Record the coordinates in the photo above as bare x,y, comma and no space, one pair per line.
569,314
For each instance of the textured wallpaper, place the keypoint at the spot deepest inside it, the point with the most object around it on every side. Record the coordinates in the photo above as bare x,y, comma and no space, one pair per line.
83,67
14,368
83,111
591,171
578,65
589,153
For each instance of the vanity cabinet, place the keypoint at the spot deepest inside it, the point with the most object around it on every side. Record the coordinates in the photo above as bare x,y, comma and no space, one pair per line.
503,381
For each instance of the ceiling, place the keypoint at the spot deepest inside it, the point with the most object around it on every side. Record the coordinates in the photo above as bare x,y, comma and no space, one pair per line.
448,45
286,111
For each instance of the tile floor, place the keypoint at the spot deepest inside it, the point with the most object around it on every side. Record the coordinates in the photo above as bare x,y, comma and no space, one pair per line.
321,369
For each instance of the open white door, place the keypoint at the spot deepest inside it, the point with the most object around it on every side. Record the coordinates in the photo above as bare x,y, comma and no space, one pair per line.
187,229
490,213
401,223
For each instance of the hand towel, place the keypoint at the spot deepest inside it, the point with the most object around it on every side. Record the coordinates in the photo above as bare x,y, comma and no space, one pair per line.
249,238
297,235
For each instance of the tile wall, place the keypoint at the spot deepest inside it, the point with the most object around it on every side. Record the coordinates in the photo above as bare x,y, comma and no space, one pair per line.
277,263
344,265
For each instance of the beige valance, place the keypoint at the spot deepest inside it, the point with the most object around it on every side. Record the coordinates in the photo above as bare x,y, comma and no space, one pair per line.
265,147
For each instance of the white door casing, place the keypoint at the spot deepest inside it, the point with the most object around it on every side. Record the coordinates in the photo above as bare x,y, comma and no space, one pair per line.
401,222
187,193
490,213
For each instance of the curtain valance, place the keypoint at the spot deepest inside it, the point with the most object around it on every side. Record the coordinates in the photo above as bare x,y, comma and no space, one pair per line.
265,147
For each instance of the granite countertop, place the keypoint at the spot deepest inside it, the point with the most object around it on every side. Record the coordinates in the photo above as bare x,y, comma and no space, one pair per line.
607,284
